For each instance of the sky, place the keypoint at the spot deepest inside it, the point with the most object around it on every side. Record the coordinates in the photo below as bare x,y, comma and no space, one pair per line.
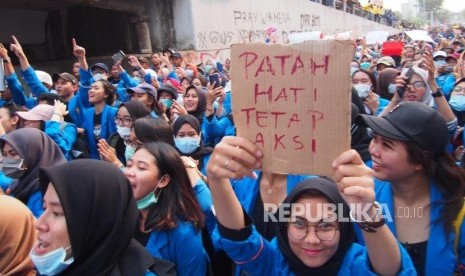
451,5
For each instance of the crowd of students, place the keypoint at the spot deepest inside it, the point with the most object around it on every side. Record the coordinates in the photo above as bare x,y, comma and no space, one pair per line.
140,173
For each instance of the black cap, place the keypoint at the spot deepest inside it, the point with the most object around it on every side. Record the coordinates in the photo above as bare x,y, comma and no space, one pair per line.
169,89
66,76
411,122
99,65
176,55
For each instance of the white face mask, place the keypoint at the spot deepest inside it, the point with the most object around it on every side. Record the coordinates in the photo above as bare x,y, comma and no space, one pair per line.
392,88
363,90
99,76
124,132
52,263
187,145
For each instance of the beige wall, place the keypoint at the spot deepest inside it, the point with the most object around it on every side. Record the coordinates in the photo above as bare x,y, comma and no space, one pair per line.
218,24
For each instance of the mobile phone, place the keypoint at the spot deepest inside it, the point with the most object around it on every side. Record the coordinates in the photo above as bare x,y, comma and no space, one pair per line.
215,78
2,76
118,56
408,75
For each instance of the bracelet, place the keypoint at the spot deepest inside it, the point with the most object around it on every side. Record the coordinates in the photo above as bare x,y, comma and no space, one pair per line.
55,113
437,94
369,225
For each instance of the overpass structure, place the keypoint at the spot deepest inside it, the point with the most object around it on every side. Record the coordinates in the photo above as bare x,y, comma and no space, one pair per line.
46,27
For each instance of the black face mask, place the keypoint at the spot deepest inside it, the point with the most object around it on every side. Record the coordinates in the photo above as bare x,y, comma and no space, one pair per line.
12,167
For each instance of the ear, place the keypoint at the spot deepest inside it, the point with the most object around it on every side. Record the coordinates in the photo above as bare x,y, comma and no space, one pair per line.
418,167
15,120
164,181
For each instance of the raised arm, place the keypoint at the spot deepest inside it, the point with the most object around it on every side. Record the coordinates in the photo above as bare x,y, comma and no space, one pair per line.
233,157
355,181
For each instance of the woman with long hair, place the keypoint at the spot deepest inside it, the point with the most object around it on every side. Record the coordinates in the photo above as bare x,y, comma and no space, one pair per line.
171,218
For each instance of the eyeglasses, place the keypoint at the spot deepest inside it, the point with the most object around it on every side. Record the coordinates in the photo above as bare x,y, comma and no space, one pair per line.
417,85
459,89
126,121
299,230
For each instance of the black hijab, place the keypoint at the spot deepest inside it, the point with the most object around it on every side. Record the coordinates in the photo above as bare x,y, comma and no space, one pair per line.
202,105
201,151
37,150
347,236
101,216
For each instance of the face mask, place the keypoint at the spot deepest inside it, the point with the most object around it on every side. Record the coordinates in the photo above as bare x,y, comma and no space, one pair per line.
190,73
99,76
187,144
138,79
352,70
457,102
149,199
124,132
363,90
365,65
167,102
129,152
12,168
449,69
207,69
51,263
439,63
392,88
357,55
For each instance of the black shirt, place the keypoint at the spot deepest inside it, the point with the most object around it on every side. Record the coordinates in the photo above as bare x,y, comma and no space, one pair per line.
417,252
97,126
264,224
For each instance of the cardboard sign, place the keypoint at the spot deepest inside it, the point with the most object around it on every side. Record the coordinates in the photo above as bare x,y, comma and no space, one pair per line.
293,101
374,37
419,35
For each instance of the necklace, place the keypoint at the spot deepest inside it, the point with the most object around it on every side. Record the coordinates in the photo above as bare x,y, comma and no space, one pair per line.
269,191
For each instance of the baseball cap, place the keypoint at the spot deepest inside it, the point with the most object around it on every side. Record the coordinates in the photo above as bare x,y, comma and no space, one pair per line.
387,60
41,112
44,77
99,65
143,60
66,76
454,56
439,54
144,88
411,122
176,55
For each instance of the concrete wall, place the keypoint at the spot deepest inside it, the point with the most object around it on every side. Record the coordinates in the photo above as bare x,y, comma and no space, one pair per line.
220,23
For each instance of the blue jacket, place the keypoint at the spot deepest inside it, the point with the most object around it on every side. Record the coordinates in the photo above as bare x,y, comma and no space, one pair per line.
181,246
35,203
215,129
107,123
446,82
63,134
440,256
5,181
17,92
37,87
258,256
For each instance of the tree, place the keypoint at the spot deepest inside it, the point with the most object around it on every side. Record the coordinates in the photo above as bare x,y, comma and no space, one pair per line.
429,5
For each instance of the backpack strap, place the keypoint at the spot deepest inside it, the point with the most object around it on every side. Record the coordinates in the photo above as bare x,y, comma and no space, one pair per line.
457,225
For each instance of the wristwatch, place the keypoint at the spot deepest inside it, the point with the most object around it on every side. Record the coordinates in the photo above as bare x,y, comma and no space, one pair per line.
438,93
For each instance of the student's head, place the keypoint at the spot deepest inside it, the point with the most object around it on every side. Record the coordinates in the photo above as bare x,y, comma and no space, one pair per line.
194,101
417,88
187,133
99,71
146,94
37,116
127,114
48,98
386,82
8,117
114,71
78,196
364,82
161,186
102,91
76,69
152,130
199,82
155,59
45,78
166,95
176,59
65,85
457,98
409,125
312,236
